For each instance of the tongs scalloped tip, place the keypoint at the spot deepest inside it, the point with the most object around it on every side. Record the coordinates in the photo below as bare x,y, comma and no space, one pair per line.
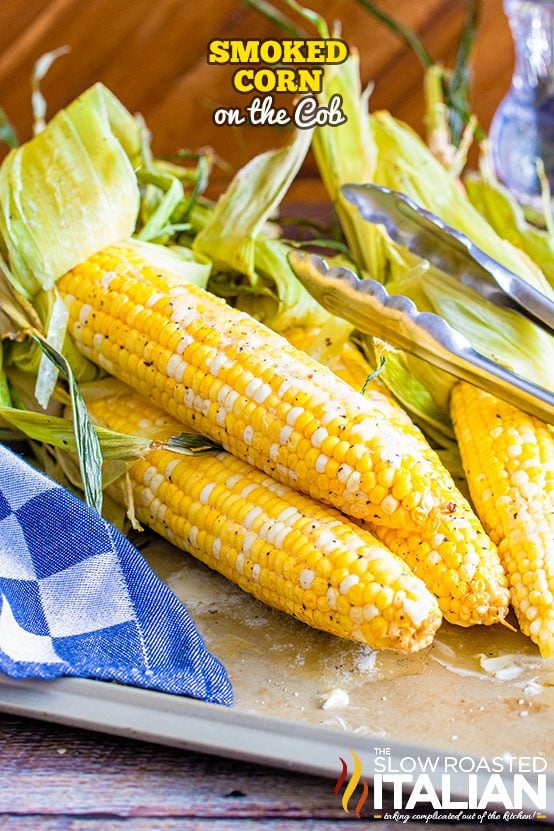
396,319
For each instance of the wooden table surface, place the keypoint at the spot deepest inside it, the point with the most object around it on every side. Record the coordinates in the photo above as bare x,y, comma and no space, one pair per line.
153,56
53,778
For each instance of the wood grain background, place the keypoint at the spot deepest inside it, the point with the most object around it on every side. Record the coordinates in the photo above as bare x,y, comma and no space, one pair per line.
152,54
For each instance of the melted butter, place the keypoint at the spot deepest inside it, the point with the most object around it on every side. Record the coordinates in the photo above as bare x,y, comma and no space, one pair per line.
493,653
334,699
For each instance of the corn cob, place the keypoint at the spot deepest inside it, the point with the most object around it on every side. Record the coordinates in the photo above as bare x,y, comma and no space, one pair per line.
458,578
280,546
227,376
508,459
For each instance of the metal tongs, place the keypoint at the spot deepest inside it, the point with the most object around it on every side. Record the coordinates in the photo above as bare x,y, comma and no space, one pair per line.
396,319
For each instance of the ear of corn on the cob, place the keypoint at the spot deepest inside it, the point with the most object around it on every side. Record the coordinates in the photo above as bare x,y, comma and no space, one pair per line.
508,458
284,548
464,584
229,377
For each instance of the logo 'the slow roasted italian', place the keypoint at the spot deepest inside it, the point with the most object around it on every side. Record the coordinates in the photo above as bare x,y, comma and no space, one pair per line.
508,788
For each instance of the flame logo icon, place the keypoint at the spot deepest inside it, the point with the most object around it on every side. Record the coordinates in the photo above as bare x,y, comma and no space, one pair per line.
352,784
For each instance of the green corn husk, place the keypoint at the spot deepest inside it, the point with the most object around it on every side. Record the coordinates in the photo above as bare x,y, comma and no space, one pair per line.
347,154
242,211
251,265
406,164
58,432
450,124
438,127
64,195
502,335
70,191
53,442
169,193
503,213
291,305
5,397
8,133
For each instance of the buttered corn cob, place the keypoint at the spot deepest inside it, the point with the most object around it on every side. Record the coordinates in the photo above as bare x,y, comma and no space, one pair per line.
460,579
508,459
227,376
280,546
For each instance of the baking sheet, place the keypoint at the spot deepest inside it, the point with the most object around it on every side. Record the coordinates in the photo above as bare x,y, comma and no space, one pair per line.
437,701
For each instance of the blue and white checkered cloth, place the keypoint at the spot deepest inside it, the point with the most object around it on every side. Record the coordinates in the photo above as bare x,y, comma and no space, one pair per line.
76,598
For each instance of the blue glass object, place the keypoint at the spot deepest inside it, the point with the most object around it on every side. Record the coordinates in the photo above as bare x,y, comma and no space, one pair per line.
523,127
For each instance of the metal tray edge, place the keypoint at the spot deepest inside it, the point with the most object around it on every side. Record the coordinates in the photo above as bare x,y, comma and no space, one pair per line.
188,724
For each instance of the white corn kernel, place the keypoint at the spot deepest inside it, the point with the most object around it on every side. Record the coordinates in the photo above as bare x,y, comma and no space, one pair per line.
285,434
389,504
307,578
248,541
149,474
252,515
154,297
321,463
293,415
86,309
97,341
319,437
348,582
370,611
205,493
